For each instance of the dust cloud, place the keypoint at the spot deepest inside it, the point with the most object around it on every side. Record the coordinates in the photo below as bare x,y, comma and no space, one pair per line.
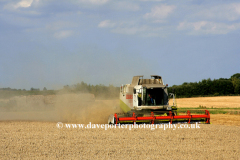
83,108
63,107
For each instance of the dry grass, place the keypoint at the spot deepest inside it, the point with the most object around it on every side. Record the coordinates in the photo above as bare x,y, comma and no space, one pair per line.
215,102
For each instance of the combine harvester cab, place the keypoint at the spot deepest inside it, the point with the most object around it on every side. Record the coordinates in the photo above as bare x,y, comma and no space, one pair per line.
146,101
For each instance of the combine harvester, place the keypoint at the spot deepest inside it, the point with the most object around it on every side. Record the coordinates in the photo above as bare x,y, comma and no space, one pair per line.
146,101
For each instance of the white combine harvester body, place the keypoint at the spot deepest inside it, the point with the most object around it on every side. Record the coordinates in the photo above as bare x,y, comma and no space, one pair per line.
143,94
146,101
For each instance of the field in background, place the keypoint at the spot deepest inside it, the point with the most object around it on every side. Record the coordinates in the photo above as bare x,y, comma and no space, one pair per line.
215,105
209,102
83,108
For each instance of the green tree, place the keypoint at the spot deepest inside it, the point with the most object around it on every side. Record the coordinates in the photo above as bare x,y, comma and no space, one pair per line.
237,75
236,85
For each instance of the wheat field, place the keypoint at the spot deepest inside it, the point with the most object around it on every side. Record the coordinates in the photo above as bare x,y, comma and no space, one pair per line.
215,102
35,135
43,140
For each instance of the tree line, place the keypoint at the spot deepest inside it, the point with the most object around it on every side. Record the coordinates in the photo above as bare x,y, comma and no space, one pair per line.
208,87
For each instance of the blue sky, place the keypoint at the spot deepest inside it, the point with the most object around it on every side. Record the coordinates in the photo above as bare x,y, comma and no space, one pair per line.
52,43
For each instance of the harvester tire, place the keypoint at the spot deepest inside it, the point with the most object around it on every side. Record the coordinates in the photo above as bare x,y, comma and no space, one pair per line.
111,120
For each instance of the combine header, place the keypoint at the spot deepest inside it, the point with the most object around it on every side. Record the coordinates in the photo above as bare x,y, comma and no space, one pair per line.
146,101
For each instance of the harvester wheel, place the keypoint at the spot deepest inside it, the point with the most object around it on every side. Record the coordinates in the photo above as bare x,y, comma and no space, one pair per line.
111,120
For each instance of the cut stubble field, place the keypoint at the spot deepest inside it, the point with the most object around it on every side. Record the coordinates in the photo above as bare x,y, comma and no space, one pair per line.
43,140
37,137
